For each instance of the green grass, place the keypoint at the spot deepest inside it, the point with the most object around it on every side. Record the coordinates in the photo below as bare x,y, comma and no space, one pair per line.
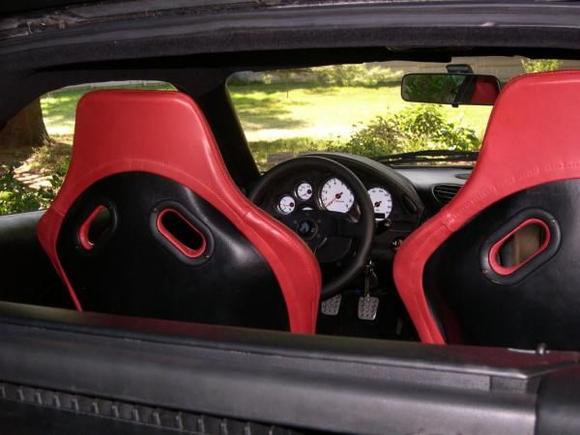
283,111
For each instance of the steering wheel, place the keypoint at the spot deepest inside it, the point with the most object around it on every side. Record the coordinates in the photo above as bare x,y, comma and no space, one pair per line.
333,237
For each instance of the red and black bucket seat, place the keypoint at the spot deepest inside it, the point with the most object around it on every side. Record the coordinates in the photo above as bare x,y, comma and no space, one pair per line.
500,264
149,223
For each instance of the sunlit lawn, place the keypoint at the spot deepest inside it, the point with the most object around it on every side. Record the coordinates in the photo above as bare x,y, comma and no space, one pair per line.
282,111
270,112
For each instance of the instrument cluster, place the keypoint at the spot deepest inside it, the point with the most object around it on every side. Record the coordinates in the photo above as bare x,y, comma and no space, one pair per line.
332,195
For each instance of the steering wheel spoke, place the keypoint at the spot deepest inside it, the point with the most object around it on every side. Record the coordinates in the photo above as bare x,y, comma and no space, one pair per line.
346,227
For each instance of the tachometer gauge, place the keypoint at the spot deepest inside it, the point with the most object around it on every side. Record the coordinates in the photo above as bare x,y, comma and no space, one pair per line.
382,202
304,191
336,196
286,205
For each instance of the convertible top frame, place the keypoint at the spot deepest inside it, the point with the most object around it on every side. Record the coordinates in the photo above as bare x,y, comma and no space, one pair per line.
197,45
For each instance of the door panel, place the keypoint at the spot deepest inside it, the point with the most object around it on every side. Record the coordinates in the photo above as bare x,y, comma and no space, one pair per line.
292,381
27,275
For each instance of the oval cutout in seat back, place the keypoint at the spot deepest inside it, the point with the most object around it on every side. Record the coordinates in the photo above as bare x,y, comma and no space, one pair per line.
519,246
95,226
181,233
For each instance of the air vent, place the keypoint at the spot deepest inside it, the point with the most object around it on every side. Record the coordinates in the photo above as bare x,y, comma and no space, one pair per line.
444,193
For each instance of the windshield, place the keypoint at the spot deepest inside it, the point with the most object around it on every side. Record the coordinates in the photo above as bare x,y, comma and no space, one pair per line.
358,109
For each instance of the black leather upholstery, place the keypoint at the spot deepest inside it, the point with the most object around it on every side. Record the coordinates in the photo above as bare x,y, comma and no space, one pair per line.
27,275
134,271
538,304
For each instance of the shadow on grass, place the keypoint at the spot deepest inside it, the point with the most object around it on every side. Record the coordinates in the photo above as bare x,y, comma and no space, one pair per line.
266,112
265,88
336,90
270,106
59,109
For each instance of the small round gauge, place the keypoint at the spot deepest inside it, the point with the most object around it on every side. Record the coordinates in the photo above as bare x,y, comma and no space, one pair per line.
304,191
336,196
382,202
286,205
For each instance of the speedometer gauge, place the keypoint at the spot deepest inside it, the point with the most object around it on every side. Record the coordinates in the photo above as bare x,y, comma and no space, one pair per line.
286,205
382,202
336,196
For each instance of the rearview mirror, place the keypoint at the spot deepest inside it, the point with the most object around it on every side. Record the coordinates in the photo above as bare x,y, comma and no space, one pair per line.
454,89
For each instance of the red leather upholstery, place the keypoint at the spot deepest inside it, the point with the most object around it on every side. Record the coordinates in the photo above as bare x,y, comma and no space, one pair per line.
532,138
166,134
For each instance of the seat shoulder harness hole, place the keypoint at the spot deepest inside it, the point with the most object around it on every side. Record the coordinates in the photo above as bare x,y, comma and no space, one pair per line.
94,227
519,246
181,233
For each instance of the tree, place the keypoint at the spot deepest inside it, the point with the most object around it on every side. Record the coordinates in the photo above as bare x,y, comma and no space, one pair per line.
26,129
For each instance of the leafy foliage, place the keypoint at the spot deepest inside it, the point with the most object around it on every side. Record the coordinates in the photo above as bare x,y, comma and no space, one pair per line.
17,197
540,65
363,75
354,75
414,129
52,159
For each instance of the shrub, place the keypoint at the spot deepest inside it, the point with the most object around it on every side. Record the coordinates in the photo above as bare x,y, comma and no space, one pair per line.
413,129
53,158
380,136
49,164
425,127
17,197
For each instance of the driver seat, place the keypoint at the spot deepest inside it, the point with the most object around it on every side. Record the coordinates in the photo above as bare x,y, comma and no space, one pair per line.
149,223
499,265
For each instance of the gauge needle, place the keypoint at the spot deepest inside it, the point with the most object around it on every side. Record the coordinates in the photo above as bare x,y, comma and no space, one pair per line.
337,196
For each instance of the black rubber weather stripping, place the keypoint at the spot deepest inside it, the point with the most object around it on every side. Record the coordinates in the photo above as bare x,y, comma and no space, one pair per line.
136,414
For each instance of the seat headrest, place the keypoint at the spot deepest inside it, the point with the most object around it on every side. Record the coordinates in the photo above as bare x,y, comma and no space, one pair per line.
152,131
532,138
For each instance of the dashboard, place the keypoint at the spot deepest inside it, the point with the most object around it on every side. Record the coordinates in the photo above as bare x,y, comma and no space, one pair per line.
333,195
402,197
429,181
353,212
398,209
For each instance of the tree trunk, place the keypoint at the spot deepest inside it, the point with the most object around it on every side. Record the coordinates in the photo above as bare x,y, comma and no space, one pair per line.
26,129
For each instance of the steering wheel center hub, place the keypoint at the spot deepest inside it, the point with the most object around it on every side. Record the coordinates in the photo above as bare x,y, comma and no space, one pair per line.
306,228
